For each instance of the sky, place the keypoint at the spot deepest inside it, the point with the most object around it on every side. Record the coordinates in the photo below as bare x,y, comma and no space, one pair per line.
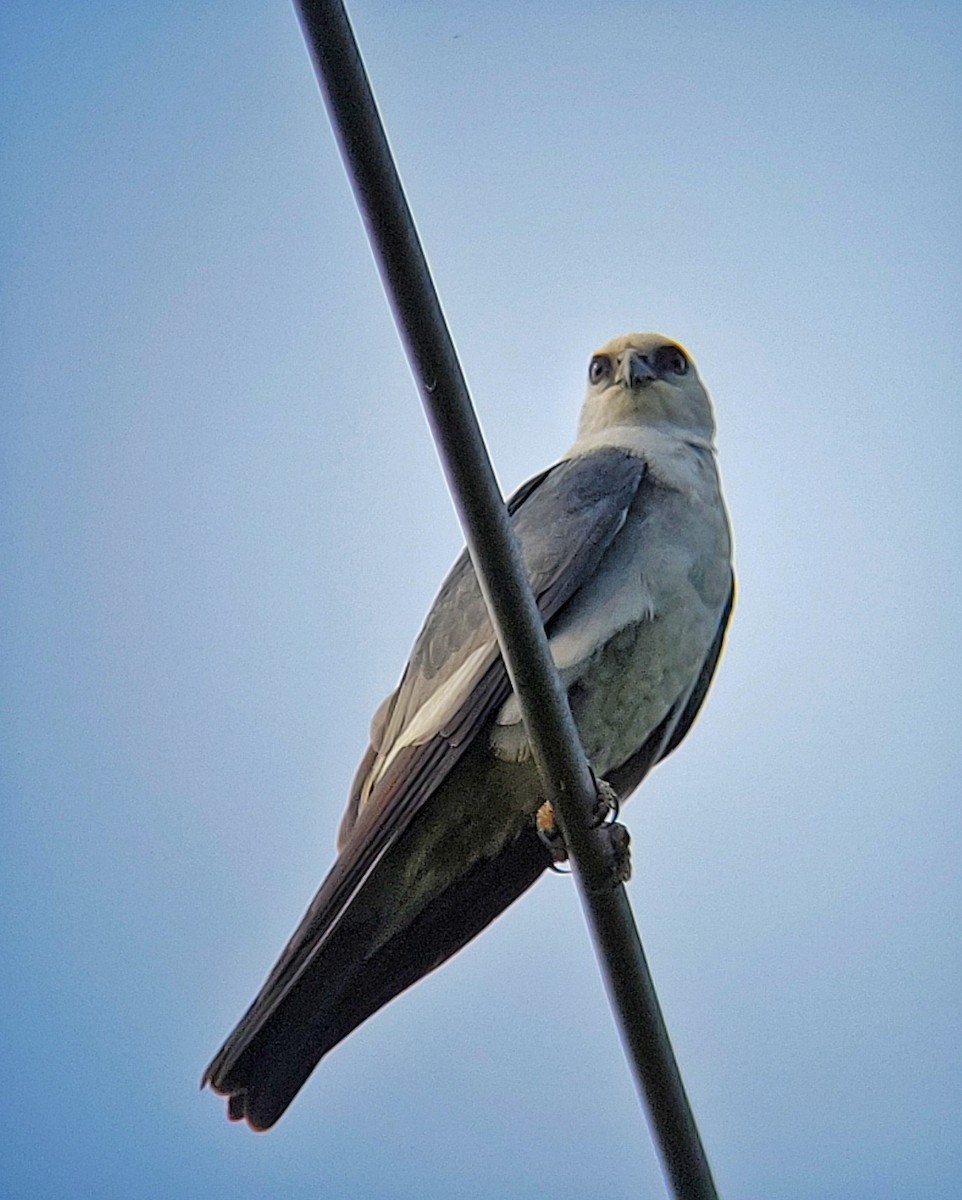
222,522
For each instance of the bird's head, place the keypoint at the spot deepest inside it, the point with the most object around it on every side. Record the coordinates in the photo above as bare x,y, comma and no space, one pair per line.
645,379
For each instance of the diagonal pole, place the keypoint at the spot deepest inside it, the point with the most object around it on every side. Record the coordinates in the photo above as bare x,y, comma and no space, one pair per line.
497,561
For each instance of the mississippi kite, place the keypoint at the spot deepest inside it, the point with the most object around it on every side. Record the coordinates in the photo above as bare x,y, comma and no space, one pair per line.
627,546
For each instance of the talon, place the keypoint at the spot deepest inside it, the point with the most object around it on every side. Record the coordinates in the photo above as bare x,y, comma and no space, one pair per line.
616,842
607,804
550,834
615,837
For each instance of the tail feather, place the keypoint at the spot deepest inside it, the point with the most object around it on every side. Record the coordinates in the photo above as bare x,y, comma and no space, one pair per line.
262,1072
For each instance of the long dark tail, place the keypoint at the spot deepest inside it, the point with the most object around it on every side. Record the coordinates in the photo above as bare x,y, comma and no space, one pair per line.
263,1072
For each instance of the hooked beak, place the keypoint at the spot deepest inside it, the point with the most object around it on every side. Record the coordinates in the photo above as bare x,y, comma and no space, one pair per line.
634,370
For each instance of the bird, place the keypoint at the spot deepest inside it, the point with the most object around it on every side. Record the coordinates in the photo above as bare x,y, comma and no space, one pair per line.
627,546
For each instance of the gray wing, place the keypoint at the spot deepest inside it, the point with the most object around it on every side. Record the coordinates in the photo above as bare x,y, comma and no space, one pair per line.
565,519
455,680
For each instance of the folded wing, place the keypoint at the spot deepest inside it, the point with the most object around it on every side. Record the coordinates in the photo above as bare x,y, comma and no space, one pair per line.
454,682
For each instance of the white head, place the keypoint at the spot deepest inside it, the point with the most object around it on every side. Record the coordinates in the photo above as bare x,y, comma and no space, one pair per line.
645,379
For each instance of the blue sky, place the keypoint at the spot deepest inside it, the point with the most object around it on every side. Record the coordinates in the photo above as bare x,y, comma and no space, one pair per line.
223,520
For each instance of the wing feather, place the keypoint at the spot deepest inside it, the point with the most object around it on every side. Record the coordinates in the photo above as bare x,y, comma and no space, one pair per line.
565,519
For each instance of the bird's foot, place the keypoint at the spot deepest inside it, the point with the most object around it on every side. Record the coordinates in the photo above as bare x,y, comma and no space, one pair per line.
607,804
550,833
604,817
615,840
616,846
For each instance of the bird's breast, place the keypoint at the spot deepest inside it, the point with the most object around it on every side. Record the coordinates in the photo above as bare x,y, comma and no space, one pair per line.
633,640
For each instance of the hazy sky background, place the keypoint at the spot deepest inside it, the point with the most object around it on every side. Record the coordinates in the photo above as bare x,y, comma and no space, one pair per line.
222,522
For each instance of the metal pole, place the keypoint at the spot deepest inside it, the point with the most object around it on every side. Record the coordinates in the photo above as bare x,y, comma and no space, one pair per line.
494,552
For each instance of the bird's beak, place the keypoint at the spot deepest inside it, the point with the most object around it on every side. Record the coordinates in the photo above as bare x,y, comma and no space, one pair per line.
634,370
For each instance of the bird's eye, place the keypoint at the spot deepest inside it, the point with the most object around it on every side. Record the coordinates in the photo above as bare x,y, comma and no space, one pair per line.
670,360
599,368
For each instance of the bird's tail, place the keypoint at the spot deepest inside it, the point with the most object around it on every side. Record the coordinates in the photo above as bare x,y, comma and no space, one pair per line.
269,1056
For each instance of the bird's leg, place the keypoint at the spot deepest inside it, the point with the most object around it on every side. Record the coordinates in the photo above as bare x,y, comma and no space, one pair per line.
607,804
615,843
550,833
615,839
604,818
